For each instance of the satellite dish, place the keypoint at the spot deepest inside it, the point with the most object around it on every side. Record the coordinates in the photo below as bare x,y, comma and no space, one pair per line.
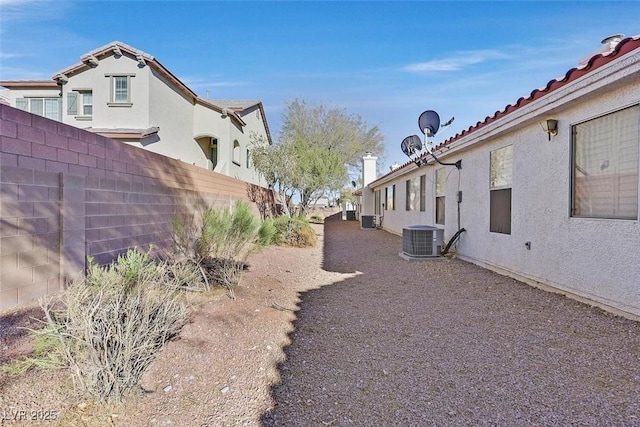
429,123
411,145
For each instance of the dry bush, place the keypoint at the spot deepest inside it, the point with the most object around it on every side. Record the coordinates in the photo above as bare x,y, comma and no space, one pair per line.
111,323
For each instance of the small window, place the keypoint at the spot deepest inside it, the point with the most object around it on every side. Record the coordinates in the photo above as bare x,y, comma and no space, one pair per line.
441,183
377,208
390,197
87,103
248,159
412,194
423,193
605,166
236,152
120,90
85,98
500,190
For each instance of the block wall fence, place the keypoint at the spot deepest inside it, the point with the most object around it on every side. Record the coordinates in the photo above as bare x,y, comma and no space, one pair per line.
66,194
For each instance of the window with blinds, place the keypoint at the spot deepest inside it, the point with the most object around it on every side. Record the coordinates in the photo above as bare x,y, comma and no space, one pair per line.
605,166
441,181
120,90
501,170
413,194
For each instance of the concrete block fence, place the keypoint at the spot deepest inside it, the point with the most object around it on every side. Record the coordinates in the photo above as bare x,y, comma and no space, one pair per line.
67,194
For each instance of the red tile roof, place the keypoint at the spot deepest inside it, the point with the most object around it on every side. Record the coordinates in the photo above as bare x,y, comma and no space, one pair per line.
625,46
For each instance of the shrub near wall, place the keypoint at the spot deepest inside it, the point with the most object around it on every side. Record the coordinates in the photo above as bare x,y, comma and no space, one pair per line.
67,194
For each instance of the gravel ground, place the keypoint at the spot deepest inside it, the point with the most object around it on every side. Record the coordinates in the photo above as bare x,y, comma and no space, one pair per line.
448,343
349,333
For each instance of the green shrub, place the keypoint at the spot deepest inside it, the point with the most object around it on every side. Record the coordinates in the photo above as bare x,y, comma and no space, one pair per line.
295,231
316,219
267,233
48,353
220,242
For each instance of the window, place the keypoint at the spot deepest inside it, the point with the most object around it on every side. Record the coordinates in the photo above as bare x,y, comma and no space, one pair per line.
45,107
441,183
423,193
605,166
120,90
377,208
412,194
86,103
390,197
501,168
236,152
248,159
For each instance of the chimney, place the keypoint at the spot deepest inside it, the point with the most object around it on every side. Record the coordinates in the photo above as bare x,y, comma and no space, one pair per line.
368,169
608,44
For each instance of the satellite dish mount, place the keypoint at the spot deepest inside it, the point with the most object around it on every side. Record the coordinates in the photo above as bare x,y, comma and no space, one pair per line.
429,124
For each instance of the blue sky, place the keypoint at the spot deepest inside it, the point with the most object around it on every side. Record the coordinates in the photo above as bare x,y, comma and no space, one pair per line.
386,61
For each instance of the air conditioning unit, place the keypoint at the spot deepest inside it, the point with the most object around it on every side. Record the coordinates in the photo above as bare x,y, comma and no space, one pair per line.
377,221
422,241
368,221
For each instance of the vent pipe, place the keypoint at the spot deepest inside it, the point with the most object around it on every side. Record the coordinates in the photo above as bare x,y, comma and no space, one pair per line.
607,45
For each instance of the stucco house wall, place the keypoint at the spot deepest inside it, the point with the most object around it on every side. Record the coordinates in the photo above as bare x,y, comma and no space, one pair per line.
593,259
163,116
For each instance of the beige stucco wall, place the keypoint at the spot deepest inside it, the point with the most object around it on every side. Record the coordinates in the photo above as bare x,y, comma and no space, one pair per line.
593,259
157,102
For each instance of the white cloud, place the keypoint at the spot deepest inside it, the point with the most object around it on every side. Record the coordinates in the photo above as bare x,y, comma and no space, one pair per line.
457,61
5,55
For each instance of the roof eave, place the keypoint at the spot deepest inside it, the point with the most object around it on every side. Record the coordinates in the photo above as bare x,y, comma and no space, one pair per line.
597,61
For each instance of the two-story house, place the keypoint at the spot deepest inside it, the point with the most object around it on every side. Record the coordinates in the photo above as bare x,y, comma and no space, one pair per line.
126,94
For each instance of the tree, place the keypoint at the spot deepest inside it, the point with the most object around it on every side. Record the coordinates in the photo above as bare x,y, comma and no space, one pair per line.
333,129
316,150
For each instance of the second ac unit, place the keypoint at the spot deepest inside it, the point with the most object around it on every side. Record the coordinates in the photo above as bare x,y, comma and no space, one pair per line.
421,241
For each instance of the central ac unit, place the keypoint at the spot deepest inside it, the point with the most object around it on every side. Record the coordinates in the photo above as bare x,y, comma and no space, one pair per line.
377,221
421,241
368,221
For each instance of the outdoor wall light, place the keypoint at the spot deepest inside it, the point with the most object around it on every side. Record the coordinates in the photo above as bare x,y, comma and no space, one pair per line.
550,126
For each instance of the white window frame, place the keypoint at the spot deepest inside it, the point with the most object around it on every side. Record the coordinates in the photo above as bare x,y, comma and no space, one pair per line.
605,156
45,110
500,184
412,186
113,98
235,156
86,105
